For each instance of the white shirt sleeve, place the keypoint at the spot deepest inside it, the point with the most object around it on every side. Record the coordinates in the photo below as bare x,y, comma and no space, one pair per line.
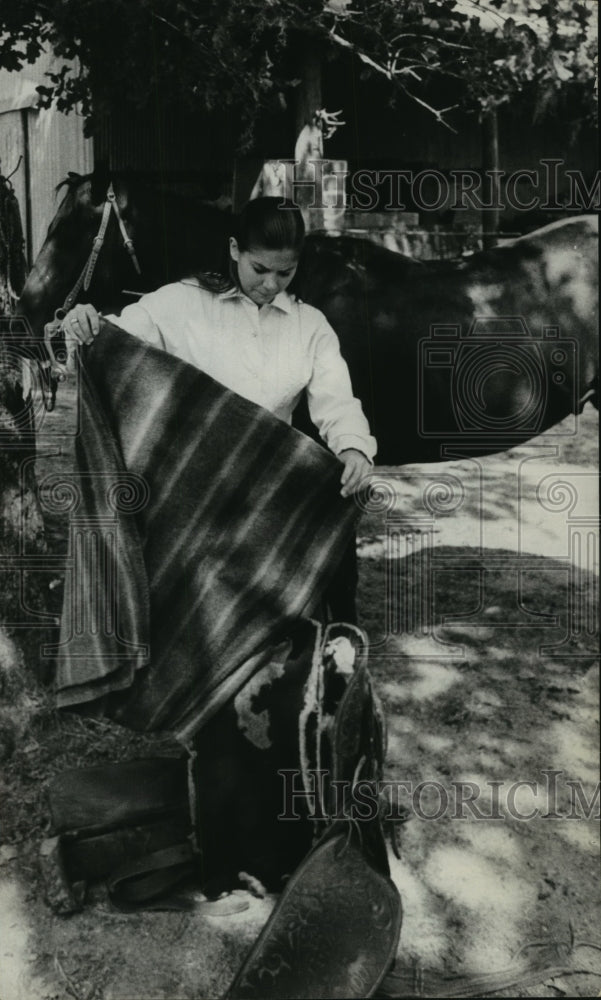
137,320
334,410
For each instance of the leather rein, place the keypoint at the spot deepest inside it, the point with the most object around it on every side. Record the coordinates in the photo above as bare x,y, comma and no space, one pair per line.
52,368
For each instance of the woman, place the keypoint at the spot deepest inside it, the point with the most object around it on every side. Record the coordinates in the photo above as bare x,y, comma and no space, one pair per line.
250,334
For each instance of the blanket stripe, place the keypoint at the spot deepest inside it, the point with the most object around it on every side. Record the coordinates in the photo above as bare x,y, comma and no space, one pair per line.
205,526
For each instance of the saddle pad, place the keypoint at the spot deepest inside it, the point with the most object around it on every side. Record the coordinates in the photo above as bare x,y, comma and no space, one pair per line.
201,526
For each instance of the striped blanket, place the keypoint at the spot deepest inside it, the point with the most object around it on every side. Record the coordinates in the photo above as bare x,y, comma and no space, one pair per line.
202,527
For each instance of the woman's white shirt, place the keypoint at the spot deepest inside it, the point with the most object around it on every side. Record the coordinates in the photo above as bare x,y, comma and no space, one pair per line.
269,355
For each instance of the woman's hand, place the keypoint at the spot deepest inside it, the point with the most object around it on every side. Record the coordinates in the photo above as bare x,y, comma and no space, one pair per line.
356,467
80,325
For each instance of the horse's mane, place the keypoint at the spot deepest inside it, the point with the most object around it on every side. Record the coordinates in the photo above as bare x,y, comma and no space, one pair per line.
148,180
146,186
71,181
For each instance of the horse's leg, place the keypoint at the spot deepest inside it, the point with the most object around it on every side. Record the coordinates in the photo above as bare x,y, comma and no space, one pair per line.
239,789
594,396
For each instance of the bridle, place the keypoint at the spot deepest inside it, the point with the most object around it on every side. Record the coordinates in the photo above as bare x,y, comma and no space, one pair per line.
53,368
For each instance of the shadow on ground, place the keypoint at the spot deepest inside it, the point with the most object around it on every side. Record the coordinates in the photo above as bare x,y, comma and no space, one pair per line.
492,708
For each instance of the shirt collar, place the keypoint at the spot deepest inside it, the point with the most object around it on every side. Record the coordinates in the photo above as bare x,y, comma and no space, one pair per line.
282,300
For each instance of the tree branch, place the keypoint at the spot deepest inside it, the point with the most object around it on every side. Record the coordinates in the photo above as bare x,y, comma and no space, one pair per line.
394,77
437,114
431,38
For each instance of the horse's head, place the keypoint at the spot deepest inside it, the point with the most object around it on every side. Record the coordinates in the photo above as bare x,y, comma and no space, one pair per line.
68,246
173,236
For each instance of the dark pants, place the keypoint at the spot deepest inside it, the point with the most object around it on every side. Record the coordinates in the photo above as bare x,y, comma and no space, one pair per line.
339,600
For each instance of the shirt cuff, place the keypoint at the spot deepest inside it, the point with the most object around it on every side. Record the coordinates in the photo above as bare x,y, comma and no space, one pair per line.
366,445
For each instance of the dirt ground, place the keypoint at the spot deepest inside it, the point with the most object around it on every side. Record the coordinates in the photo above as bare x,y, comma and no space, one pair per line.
479,593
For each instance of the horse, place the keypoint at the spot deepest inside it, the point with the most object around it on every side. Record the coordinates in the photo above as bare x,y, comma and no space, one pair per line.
171,234
479,353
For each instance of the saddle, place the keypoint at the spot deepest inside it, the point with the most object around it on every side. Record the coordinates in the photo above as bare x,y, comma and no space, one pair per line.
284,786
335,930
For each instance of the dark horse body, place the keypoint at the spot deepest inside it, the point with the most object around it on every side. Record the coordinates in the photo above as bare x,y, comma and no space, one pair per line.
478,353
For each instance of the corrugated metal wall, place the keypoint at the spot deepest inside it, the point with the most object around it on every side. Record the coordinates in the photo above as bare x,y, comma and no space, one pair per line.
56,145
49,142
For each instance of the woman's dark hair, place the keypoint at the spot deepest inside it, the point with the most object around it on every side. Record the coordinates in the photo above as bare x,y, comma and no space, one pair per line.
272,223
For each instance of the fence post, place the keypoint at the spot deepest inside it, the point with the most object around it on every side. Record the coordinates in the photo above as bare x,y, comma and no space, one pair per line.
490,178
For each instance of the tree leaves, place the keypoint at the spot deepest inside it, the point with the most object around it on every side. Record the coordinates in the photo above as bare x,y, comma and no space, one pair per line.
236,57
